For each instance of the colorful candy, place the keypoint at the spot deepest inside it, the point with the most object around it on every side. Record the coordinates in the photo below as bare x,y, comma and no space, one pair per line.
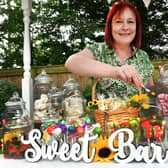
57,132
80,130
97,130
13,147
143,128
70,132
163,103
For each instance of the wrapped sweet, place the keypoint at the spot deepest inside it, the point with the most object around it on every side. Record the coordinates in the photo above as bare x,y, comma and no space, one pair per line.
41,107
42,84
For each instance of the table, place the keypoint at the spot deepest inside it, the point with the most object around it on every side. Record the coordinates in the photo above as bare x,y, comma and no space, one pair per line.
22,163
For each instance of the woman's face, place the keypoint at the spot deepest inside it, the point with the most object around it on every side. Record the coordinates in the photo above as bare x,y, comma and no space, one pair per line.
124,27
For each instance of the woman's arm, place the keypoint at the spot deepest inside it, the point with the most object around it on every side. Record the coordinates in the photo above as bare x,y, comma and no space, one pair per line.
84,64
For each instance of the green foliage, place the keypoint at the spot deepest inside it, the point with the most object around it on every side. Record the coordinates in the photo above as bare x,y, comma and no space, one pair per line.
65,28
6,91
157,34
155,76
87,92
11,34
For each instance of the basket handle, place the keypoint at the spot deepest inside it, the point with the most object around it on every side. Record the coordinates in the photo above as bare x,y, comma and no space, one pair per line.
93,88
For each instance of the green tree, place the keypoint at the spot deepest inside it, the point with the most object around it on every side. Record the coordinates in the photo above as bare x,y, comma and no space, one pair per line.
157,34
11,34
61,27
65,28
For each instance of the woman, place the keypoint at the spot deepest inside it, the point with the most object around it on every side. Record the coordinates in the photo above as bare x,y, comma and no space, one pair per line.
120,63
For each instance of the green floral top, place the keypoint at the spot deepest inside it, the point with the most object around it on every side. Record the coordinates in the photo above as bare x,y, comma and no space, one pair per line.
109,87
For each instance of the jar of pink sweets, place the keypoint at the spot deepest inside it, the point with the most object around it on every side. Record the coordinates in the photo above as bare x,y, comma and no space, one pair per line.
162,98
162,90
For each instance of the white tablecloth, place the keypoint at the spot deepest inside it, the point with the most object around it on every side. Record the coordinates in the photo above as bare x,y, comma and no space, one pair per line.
22,163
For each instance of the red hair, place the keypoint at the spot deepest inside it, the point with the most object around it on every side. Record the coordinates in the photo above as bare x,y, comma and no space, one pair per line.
119,6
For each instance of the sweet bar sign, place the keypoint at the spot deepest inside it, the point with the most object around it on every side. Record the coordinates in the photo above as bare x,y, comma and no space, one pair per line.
124,152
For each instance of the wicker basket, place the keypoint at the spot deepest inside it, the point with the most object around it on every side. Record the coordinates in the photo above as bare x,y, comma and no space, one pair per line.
113,116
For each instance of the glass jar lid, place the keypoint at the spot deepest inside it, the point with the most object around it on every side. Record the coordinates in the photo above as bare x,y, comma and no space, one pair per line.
163,75
55,92
164,70
43,78
14,101
71,84
17,115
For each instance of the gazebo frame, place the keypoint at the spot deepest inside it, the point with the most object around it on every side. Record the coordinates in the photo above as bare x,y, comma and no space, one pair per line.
27,82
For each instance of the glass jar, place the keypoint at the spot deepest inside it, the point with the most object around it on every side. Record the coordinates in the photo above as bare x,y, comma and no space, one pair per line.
42,109
69,86
42,84
162,96
16,124
162,89
73,102
15,106
56,97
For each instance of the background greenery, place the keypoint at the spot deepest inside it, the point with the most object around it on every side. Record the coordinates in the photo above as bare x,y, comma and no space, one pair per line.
62,27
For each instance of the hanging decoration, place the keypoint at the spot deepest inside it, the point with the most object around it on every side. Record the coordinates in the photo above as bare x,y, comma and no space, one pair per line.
146,2
108,1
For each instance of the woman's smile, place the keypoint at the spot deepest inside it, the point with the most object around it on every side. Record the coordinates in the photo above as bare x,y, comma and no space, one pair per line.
124,34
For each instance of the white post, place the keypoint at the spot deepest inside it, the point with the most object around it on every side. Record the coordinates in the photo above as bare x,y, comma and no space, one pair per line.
27,83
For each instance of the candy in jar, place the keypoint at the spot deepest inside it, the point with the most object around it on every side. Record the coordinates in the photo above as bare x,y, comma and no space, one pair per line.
56,97
42,84
16,125
162,90
74,101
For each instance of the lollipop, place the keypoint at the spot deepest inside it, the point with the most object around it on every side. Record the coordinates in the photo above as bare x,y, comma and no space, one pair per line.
158,132
147,130
46,139
50,129
134,123
57,132
71,130
63,128
97,130
49,123
80,130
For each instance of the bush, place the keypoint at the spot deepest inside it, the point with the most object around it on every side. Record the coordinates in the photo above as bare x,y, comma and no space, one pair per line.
6,91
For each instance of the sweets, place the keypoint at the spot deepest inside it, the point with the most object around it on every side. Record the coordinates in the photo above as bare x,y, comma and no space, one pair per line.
163,103
41,107
68,132
13,147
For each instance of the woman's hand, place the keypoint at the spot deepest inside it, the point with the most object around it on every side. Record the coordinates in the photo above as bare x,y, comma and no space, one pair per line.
129,75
